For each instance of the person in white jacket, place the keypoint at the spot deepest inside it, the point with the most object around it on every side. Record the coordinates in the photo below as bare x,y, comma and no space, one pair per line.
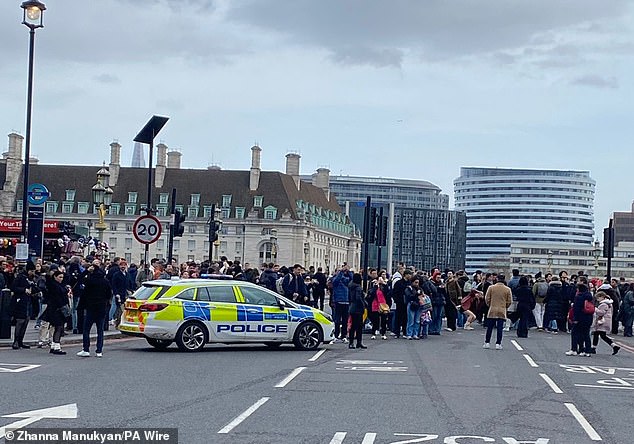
602,323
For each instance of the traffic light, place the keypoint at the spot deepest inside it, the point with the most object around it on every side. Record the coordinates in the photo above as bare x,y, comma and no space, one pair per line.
381,239
372,226
179,228
214,229
608,242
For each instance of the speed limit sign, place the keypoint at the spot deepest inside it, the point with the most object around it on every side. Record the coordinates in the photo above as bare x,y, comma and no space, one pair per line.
147,229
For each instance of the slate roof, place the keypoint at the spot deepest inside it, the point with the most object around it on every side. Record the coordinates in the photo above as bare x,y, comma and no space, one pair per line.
278,189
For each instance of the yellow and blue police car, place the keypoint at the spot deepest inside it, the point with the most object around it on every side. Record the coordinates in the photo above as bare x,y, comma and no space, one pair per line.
195,312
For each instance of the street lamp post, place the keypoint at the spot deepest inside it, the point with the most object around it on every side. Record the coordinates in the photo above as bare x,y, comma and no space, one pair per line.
550,261
102,197
597,253
273,245
32,18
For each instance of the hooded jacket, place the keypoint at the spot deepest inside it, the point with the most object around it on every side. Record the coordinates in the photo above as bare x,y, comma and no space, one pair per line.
97,292
356,299
603,311
554,301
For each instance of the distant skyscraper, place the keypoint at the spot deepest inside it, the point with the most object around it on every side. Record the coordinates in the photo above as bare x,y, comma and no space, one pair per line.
138,160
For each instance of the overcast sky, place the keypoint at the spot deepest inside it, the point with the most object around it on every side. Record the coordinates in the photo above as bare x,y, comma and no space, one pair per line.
398,88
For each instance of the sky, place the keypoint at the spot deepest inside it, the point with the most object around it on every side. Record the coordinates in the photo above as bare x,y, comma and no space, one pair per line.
394,88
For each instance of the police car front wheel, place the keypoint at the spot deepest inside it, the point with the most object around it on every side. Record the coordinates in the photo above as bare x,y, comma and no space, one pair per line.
308,336
191,337
159,344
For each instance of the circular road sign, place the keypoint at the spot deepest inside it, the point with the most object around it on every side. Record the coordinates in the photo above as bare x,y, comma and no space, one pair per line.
37,194
147,229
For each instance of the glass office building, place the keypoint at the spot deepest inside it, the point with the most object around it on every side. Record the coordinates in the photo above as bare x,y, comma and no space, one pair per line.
506,206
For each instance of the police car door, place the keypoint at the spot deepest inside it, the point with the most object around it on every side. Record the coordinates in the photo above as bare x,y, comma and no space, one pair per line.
222,324
264,318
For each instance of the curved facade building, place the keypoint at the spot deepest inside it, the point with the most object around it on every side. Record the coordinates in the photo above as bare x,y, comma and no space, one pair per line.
506,206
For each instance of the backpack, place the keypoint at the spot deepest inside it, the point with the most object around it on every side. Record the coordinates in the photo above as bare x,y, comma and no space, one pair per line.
467,287
278,285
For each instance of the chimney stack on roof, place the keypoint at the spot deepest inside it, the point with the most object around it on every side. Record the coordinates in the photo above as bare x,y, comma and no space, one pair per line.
292,167
115,162
174,159
254,176
161,165
321,179
15,146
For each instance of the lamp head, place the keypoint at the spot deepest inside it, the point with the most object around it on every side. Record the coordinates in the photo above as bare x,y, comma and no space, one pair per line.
33,13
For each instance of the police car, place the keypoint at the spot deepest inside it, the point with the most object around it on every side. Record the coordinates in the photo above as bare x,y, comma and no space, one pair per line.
195,312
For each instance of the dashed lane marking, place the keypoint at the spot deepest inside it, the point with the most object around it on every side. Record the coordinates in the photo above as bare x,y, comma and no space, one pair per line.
317,355
240,418
517,345
583,422
551,383
530,361
284,382
338,438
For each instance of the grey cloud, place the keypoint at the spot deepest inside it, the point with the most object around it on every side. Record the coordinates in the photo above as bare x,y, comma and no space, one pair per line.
436,28
107,79
597,81
379,58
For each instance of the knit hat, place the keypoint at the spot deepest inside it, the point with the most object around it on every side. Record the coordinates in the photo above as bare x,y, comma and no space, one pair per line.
605,287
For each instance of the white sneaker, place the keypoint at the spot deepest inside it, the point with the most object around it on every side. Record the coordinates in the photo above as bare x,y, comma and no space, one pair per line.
448,329
384,337
486,345
507,328
498,346
376,333
468,327
571,353
99,355
334,341
373,337
83,354
344,340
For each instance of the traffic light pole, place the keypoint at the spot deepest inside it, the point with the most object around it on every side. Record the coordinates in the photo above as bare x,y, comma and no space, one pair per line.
610,249
212,225
170,242
366,242
380,237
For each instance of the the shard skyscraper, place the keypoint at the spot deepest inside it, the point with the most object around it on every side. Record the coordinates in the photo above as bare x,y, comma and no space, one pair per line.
138,159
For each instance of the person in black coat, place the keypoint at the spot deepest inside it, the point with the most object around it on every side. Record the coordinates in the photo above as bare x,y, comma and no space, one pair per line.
356,309
554,306
22,303
581,323
319,288
525,306
94,304
57,310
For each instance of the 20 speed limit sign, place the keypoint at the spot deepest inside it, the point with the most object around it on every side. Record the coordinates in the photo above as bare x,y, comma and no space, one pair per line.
147,229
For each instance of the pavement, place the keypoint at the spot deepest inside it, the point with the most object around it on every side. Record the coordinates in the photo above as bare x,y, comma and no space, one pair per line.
32,336
445,389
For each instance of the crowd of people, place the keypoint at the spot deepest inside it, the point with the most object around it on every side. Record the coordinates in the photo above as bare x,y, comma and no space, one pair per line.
76,293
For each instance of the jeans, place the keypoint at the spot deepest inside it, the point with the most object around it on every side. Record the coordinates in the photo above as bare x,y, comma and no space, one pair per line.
341,319
460,319
38,320
499,325
113,309
413,321
75,302
580,337
90,318
424,327
538,312
628,320
436,320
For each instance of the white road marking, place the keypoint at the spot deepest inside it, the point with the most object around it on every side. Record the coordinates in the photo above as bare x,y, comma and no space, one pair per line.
338,438
551,383
284,382
317,355
517,346
583,422
365,362
68,411
603,387
373,369
17,368
530,361
239,419
369,438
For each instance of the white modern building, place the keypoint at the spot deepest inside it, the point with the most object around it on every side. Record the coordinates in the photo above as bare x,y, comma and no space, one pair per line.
507,206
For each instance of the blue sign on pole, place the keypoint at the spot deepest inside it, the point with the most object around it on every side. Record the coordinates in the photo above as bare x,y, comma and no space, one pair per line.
37,194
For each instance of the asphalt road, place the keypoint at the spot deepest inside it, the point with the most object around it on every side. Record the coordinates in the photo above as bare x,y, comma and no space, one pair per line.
444,389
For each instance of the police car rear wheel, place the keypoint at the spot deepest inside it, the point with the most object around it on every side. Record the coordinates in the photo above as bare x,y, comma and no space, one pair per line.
308,336
191,337
160,344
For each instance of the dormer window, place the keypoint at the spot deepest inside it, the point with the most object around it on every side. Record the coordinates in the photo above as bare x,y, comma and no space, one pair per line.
257,201
270,212
132,196
195,200
226,200
164,198
70,195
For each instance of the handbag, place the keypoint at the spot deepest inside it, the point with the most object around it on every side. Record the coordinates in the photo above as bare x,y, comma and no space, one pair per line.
384,308
588,307
65,311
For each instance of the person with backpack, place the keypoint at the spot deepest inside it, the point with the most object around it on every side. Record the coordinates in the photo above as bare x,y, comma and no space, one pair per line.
582,315
295,287
339,296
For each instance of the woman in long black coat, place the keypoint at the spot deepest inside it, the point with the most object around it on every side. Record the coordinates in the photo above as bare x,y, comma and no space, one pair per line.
525,306
555,304
54,314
